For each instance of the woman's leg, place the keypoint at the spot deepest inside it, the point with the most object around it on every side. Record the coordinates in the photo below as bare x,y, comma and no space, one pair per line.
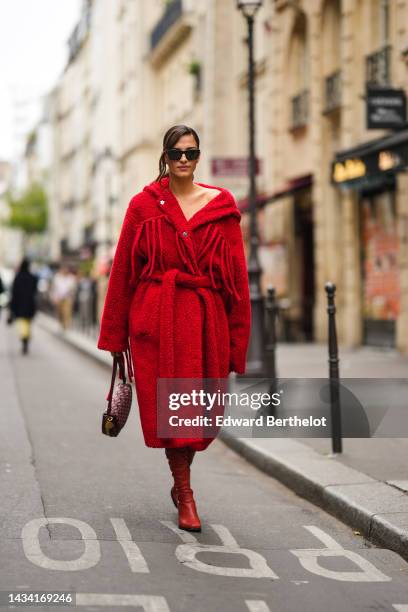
190,453
179,462
67,312
24,329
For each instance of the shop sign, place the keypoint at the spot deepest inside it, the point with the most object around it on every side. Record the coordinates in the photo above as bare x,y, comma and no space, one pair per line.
389,160
385,108
232,166
364,169
348,170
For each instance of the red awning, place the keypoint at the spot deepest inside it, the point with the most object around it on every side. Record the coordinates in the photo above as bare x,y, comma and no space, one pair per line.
300,182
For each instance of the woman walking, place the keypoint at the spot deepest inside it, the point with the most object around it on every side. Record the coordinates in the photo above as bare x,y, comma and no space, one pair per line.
23,304
63,289
177,301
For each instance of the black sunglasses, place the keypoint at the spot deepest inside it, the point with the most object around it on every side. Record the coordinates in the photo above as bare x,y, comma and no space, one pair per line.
175,154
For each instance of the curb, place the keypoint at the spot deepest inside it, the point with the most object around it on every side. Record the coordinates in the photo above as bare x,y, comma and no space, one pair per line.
377,510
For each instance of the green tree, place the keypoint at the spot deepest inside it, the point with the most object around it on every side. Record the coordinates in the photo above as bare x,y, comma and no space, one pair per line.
30,211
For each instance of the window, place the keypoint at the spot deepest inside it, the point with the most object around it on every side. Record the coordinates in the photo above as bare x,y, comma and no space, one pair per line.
384,22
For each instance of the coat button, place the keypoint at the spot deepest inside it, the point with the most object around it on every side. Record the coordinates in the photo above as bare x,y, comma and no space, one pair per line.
162,202
185,234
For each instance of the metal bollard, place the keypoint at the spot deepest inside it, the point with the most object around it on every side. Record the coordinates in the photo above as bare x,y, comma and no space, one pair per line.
271,310
335,407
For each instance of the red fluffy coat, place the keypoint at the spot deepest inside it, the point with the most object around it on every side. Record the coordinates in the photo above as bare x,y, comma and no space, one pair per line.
177,301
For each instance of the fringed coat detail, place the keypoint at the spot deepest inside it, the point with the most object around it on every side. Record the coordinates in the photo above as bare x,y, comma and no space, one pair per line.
177,302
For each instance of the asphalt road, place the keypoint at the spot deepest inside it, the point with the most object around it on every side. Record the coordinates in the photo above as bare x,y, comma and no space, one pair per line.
85,513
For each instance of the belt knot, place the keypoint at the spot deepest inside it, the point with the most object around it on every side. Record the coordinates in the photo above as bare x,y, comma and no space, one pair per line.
201,283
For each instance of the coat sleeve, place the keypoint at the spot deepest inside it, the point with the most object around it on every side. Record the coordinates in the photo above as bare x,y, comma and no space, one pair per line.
13,297
239,312
114,330
36,280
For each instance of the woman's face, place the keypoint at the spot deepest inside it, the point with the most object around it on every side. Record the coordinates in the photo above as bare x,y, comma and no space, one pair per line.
183,167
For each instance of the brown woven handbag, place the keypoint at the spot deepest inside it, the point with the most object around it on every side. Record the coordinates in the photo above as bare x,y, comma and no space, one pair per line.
119,400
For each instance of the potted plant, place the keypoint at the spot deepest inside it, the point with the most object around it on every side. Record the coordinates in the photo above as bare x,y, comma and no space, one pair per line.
194,67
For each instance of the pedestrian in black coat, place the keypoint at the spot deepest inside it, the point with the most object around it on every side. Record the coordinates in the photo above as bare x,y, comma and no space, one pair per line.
23,302
2,290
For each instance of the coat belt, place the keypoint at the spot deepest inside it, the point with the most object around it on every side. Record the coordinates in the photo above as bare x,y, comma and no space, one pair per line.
205,289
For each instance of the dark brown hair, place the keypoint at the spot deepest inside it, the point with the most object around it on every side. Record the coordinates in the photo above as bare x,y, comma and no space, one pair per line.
171,137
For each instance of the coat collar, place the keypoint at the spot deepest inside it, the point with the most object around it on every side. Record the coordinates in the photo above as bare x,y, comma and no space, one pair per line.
222,205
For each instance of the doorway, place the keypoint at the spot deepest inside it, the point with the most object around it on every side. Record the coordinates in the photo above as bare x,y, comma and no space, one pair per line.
304,239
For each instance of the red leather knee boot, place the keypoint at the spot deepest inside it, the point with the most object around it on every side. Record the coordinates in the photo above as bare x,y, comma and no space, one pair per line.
190,454
178,459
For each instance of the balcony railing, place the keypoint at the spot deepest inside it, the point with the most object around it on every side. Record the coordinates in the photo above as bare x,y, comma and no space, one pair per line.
378,67
173,12
300,109
332,92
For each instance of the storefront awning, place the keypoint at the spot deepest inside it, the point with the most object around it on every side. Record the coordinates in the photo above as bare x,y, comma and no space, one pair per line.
370,163
292,186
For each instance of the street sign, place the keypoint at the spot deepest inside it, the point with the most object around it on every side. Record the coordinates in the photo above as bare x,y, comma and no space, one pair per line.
232,166
370,165
385,108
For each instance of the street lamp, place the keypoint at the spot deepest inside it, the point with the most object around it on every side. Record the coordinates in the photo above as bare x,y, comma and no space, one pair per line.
249,7
256,353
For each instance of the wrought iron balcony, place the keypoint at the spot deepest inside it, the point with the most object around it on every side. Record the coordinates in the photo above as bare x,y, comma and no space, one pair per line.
332,92
173,12
300,109
378,67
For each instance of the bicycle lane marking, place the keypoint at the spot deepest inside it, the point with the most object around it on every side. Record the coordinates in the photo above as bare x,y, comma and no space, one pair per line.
187,552
308,558
149,603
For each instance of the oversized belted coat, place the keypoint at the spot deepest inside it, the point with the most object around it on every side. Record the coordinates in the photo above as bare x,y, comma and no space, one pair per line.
177,302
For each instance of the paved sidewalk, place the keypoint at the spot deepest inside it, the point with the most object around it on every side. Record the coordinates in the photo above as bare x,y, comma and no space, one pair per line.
366,486
368,455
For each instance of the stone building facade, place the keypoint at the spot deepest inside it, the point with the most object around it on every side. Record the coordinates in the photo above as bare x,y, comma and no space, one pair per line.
71,167
326,58
320,216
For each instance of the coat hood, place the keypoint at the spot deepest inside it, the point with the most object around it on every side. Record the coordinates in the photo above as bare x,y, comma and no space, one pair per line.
221,205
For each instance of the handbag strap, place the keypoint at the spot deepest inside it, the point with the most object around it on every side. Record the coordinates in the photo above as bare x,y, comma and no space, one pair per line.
117,361
128,355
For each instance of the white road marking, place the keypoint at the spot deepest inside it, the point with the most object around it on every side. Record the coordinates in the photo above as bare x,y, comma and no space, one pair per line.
324,537
149,603
186,536
32,549
186,553
257,605
132,551
400,607
309,560
225,536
